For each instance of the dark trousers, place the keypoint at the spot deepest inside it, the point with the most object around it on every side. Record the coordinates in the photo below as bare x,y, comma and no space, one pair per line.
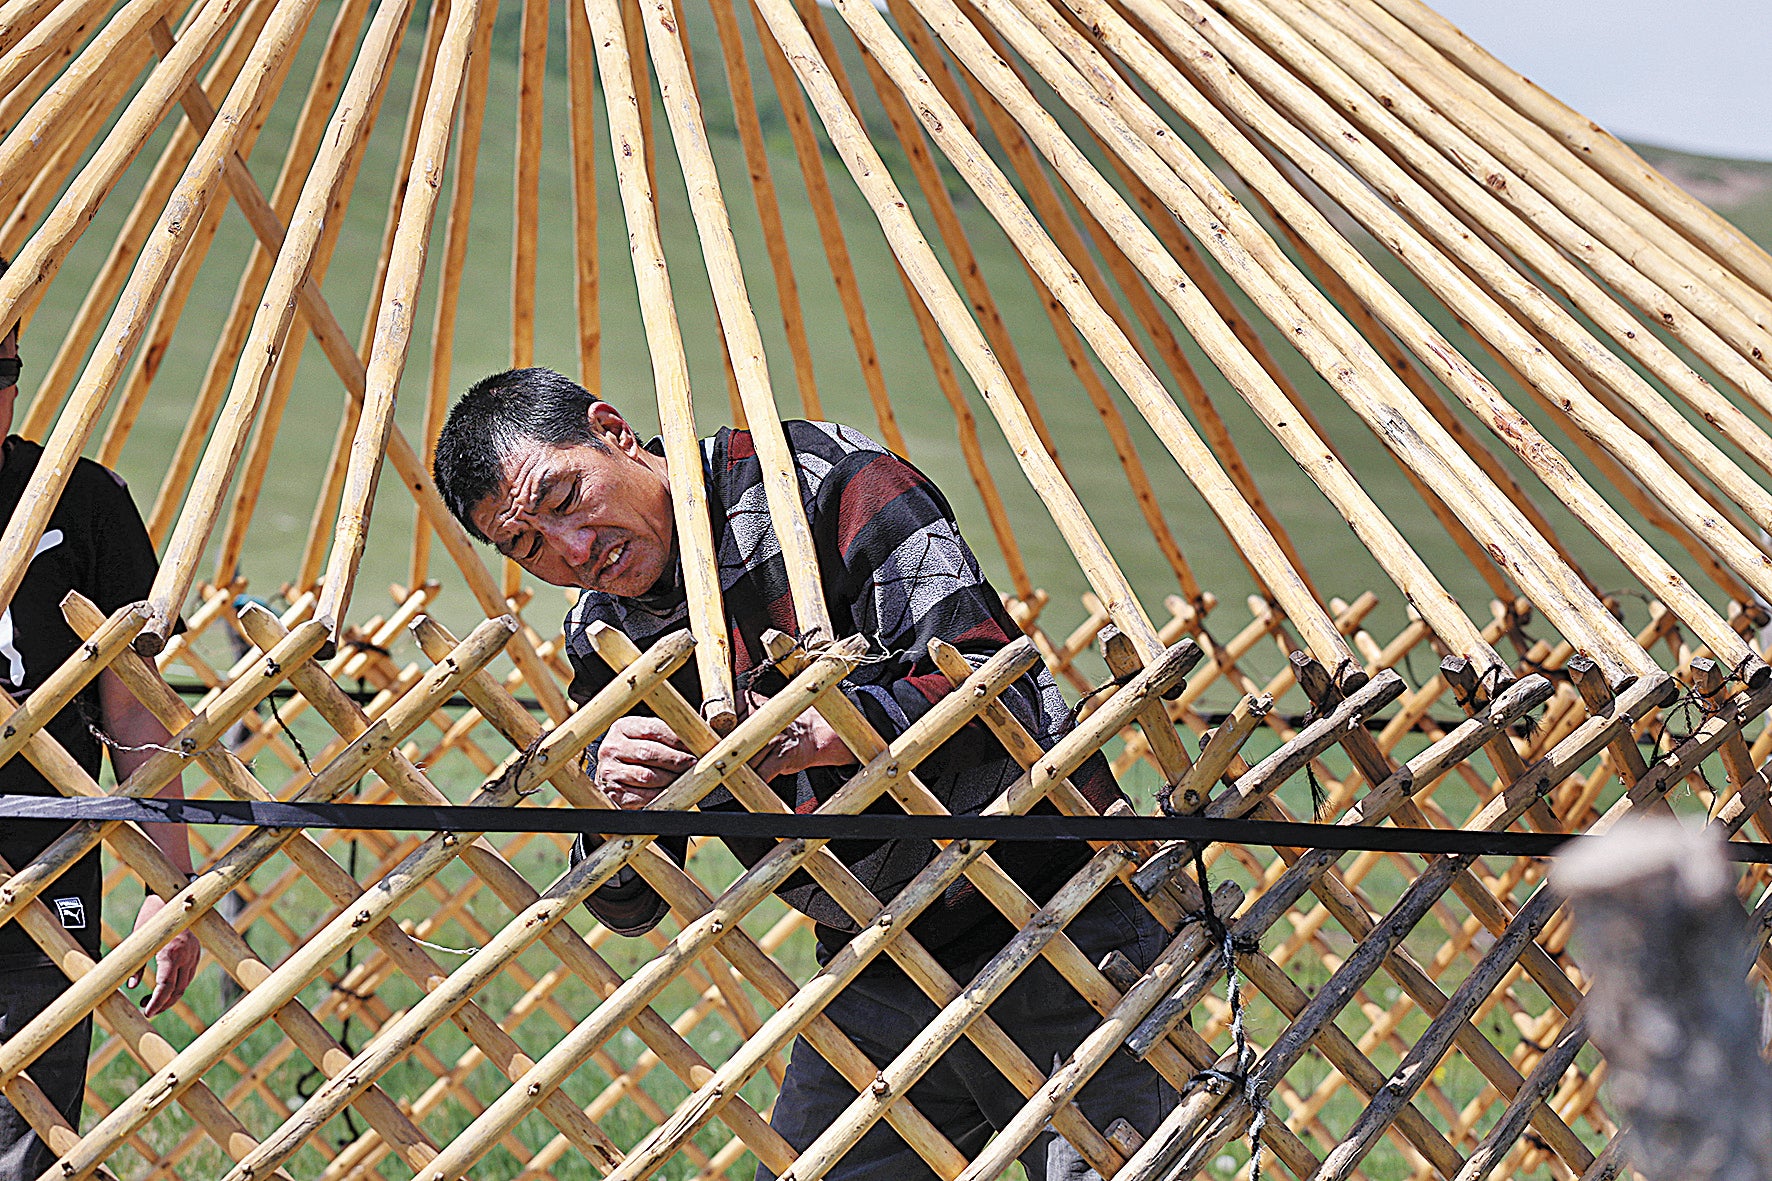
963,1094
60,1071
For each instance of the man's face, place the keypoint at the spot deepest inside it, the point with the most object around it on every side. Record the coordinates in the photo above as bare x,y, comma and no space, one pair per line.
579,515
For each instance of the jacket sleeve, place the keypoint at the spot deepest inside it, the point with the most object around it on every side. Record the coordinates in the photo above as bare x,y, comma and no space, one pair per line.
625,904
907,577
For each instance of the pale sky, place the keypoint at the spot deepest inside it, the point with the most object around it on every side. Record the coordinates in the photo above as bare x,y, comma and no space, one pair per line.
1689,74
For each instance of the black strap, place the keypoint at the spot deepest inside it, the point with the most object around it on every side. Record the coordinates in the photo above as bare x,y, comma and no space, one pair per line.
819,826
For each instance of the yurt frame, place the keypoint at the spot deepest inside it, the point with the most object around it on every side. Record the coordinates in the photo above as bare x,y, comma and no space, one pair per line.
1464,267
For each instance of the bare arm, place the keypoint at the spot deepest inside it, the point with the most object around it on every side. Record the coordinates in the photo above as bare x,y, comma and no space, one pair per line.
134,734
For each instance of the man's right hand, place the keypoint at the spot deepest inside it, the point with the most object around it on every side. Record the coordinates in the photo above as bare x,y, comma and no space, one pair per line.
640,757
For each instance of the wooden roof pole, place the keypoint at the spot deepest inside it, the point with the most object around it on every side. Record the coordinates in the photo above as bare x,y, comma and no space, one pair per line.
581,61
351,367
42,255
1689,304
830,232
201,114
1401,362
954,238
126,406
532,72
670,366
252,478
1150,318
41,190
812,166
642,85
1052,215
1021,581
1460,292
1618,476
1568,605
31,201
33,32
271,324
43,125
1617,162
1376,22
734,398
961,331
738,324
1336,350
439,386
781,263
1193,391
1392,550
75,425
348,365
1336,288
393,332
1423,136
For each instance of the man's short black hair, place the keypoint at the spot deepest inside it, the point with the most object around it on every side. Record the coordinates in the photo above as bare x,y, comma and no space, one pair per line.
497,415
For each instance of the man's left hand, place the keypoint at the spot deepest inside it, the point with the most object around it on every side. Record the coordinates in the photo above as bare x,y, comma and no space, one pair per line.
175,965
808,741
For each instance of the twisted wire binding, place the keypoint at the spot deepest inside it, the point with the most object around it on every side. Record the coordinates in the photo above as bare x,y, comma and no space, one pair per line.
803,645
110,741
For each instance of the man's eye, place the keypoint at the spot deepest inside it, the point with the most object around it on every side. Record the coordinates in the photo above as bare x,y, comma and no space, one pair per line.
568,500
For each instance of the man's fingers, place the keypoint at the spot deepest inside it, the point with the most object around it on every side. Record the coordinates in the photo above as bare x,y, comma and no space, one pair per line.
635,775
648,729
175,966
630,798
666,758
647,754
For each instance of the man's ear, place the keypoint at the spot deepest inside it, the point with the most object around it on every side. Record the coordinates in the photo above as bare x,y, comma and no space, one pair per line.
608,425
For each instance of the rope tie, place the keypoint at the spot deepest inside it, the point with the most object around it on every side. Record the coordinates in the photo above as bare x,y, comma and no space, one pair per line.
1693,710
1319,796
301,751
514,772
1244,1075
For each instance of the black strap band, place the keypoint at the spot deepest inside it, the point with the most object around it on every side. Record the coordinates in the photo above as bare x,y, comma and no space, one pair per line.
462,818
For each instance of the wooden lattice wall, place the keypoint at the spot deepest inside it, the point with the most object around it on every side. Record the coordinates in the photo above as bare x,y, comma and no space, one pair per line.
1310,229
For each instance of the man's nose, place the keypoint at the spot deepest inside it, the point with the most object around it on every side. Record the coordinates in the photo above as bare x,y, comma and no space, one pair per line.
574,545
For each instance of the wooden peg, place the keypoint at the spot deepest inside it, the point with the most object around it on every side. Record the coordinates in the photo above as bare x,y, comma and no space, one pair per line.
1171,756
1598,695
1474,694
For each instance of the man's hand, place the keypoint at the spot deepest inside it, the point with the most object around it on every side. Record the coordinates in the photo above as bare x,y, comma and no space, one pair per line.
639,758
175,965
808,741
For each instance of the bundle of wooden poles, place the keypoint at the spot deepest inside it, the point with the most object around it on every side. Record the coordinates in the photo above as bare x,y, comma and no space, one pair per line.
1248,222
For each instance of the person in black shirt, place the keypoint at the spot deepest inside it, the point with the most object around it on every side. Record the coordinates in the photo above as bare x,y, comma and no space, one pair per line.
95,543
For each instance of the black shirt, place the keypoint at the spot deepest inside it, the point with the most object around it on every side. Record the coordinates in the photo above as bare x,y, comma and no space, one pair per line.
96,544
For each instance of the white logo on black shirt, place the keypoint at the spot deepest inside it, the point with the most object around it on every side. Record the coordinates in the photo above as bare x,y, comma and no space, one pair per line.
15,673
72,913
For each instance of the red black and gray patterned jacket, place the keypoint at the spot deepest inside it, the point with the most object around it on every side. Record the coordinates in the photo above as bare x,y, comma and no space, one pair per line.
896,570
